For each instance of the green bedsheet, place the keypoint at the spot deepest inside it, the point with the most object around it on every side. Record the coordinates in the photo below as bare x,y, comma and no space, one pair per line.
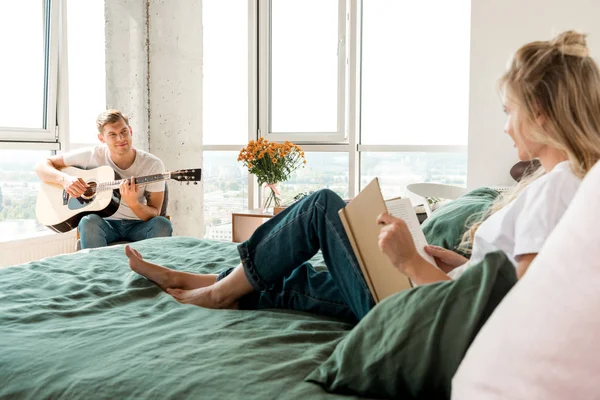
84,326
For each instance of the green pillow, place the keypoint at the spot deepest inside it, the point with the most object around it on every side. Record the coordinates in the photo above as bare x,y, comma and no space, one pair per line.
410,345
447,224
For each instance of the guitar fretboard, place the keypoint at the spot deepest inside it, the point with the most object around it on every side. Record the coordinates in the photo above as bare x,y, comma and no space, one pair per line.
109,185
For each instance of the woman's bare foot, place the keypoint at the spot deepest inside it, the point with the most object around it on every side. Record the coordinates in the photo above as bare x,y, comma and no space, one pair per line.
206,297
165,277
155,273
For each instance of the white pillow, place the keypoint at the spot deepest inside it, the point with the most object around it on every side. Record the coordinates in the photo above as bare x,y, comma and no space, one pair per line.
543,340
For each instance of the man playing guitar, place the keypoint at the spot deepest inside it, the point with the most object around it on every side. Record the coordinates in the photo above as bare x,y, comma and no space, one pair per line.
137,217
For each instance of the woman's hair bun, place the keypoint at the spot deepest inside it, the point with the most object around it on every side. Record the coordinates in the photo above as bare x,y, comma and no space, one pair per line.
571,43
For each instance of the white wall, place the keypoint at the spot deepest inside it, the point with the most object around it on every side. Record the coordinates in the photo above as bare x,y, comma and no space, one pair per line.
498,28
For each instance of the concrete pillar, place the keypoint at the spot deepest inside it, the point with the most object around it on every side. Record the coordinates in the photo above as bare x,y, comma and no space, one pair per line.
175,89
127,64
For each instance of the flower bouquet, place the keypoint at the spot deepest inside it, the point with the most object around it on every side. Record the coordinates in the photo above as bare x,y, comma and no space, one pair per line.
272,163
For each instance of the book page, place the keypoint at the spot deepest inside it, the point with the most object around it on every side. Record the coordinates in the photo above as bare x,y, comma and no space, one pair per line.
403,209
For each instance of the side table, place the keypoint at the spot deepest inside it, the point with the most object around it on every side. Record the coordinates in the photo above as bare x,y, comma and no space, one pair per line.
244,223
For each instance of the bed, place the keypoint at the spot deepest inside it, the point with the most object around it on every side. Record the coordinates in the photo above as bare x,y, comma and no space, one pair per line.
83,325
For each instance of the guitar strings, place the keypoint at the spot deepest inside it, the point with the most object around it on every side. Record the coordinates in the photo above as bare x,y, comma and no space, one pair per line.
103,187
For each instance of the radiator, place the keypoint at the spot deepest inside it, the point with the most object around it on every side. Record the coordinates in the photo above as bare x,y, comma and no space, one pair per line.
25,250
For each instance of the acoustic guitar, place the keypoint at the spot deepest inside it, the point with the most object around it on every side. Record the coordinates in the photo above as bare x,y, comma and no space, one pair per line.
61,212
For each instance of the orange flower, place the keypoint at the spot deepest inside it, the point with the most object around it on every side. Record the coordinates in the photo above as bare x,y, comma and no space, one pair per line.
271,162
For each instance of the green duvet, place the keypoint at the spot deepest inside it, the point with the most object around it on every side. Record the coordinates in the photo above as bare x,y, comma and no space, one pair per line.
84,326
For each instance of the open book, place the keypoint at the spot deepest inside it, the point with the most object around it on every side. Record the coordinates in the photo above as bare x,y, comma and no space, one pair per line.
360,222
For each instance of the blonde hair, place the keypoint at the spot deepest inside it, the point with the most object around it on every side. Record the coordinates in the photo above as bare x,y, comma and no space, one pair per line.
110,117
558,80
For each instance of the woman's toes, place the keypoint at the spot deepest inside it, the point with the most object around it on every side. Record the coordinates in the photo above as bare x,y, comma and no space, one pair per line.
132,253
128,251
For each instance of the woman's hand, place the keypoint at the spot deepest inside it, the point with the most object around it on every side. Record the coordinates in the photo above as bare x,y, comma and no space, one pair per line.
445,259
396,242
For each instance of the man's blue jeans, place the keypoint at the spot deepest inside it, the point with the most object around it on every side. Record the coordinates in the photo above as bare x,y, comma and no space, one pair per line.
275,262
95,231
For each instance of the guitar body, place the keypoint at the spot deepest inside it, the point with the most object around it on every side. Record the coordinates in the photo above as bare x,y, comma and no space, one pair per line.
61,212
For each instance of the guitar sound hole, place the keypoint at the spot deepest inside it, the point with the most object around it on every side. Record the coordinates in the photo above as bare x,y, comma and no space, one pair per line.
90,192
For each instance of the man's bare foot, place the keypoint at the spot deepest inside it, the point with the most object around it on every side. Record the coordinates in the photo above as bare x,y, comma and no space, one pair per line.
206,297
165,277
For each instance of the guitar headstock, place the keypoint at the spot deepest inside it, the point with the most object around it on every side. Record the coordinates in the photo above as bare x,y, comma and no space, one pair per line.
187,175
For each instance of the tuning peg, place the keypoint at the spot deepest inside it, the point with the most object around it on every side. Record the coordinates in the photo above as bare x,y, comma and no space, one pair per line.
195,183
187,183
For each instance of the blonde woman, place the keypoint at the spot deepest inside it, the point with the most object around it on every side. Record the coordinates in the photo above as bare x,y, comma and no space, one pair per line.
551,95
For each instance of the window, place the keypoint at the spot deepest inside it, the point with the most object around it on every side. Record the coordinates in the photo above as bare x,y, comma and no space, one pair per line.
29,34
19,186
29,97
415,72
225,191
28,31
398,169
225,115
322,170
225,71
366,88
303,78
87,74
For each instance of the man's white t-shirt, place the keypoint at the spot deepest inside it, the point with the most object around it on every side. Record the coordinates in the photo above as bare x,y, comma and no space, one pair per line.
522,226
144,164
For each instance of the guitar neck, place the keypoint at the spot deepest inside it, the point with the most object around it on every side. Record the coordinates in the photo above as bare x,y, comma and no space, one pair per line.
110,185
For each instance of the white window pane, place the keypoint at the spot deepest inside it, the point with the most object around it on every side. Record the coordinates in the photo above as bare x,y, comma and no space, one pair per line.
304,65
225,69
19,186
321,171
415,72
87,73
396,170
225,191
22,44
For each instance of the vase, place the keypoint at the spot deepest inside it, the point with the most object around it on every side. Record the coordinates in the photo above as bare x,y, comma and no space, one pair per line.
271,196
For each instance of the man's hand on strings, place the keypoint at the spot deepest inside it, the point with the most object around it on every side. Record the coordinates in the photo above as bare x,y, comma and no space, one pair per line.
74,186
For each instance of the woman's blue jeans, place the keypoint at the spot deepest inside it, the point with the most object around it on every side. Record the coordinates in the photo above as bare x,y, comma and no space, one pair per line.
275,260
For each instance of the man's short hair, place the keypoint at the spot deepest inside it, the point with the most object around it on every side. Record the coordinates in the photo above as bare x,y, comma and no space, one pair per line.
110,117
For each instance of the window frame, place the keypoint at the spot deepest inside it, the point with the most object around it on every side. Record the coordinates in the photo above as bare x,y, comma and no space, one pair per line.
265,80
49,132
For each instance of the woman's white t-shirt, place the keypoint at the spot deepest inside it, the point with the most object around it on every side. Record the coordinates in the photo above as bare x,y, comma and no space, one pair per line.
144,164
522,226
